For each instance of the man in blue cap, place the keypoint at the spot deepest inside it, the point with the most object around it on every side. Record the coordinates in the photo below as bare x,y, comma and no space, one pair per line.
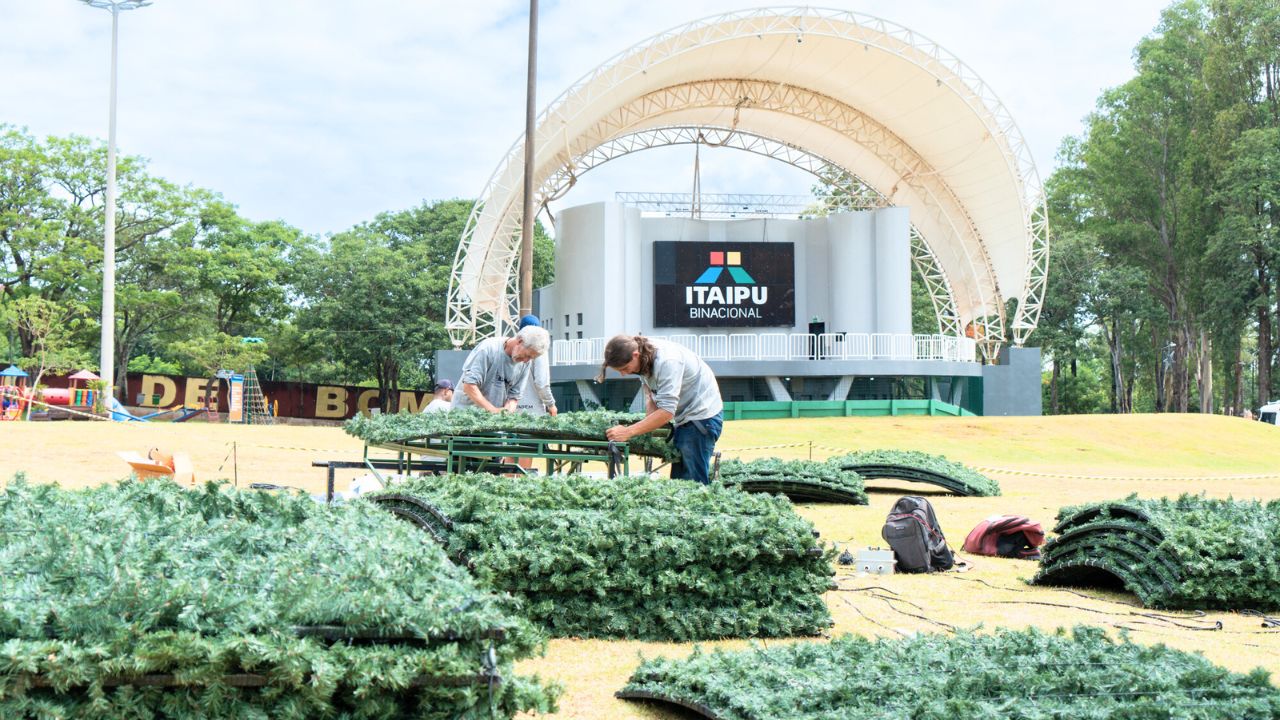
536,399
443,399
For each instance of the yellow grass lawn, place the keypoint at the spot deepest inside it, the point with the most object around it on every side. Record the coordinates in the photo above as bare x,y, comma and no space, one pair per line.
1042,464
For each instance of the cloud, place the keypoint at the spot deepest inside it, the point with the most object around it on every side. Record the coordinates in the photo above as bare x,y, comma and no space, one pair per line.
324,114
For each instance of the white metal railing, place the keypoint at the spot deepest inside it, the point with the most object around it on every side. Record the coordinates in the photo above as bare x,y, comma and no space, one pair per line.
744,345
774,346
791,346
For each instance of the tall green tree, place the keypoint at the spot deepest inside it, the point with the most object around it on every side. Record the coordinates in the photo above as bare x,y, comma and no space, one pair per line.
1142,160
52,217
245,268
374,299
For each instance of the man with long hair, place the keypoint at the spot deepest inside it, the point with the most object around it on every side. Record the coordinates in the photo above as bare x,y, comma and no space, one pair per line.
679,388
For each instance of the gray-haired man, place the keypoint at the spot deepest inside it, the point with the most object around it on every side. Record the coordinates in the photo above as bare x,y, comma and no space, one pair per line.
496,370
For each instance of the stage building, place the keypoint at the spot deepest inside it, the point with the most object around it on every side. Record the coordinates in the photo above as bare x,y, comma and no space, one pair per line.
790,310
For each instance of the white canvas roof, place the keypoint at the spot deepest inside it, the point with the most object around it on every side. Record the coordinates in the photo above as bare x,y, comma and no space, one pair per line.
885,104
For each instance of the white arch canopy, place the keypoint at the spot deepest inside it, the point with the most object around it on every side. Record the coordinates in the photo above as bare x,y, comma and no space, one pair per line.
875,99
857,194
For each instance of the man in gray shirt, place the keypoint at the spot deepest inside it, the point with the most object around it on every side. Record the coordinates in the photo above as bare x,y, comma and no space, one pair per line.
496,370
679,388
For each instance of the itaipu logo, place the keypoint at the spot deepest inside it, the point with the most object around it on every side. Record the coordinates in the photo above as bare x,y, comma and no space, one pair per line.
739,300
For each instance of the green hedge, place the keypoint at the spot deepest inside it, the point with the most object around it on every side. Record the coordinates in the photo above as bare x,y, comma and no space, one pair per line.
918,467
147,600
799,480
1193,552
1009,674
585,425
631,558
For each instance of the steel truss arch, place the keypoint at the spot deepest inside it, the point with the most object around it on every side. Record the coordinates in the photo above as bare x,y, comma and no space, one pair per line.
826,171
981,155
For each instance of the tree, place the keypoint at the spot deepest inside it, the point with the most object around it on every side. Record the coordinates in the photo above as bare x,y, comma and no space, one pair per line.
366,302
1144,167
51,327
244,268
374,300
51,225
220,351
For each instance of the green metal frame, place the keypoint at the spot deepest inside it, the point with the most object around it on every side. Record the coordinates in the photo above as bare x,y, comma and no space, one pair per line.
475,452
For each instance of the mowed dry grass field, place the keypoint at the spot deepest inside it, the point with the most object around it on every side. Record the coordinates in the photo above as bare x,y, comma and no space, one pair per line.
1042,465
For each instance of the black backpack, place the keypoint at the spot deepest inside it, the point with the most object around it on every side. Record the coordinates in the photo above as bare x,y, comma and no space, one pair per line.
913,532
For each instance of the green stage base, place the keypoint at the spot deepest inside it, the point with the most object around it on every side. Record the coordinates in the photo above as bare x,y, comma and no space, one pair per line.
838,408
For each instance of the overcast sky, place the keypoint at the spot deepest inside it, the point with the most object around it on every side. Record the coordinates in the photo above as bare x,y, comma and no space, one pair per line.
323,113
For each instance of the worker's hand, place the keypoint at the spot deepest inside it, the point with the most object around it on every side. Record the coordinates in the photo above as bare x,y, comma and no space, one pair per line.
618,433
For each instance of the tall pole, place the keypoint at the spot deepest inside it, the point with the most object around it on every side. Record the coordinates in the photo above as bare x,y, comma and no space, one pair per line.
526,226
109,236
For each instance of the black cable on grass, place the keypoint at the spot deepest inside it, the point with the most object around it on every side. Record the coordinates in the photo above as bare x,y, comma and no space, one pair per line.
866,589
1267,620
1166,619
1058,589
872,620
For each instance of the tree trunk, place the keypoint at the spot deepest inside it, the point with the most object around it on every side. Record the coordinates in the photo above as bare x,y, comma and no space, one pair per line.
1237,372
1160,387
1117,367
1204,372
1053,387
1180,380
1264,336
388,374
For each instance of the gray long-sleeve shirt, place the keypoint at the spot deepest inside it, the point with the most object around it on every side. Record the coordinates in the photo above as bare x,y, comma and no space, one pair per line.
490,368
682,384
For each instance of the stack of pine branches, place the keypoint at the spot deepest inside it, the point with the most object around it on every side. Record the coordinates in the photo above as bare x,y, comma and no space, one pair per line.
918,467
799,480
147,600
651,559
472,422
1193,552
1006,674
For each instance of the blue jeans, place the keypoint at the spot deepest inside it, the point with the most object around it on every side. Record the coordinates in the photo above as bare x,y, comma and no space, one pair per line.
696,441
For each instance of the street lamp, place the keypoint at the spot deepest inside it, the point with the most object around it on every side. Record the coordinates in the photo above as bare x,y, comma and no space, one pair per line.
109,236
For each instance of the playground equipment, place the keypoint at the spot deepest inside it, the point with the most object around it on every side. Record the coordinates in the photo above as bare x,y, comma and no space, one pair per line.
82,396
120,413
14,394
73,396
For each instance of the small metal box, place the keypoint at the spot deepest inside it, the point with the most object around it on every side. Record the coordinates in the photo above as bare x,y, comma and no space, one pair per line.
875,561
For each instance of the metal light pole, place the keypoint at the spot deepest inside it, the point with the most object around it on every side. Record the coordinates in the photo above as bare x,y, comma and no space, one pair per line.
530,114
109,236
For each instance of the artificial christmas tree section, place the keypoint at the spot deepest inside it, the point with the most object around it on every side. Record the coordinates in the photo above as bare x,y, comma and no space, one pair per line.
799,480
144,599
472,439
471,422
637,558
1193,552
918,467
1082,675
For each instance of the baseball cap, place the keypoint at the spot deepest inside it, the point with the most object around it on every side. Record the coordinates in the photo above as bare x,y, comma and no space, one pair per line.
528,320
444,384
